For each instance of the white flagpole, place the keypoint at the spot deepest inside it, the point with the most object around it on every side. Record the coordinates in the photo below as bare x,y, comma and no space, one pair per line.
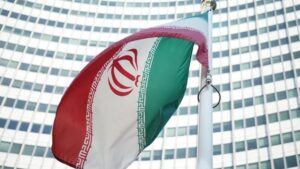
205,124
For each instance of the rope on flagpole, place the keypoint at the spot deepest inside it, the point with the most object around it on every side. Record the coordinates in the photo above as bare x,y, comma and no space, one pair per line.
208,83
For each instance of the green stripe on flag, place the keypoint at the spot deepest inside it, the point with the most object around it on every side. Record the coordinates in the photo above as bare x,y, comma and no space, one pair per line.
166,84
142,97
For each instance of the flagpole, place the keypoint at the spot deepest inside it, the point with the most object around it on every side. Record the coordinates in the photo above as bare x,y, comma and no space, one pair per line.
205,123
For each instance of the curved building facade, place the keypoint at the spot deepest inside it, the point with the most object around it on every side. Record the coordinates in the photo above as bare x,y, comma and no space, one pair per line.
256,67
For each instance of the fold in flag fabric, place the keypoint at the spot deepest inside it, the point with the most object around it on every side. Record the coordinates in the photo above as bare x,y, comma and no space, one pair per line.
121,100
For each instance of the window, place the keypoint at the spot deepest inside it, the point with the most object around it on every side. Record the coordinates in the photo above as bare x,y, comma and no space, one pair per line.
157,154
292,93
295,113
251,144
250,122
145,155
181,131
278,163
171,132
20,104
192,152
236,68
238,104
265,165
183,110
216,149
257,81
289,74
226,105
295,38
227,148
194,110
193,130
297,135
228,168
180,153
35,128
39,151
284,115
42,107
2,122
263,142
225,53
255,63
291,161
275,140
12,124
276,59
226,87
236,85
244,34
287,137
27,85
31,106
261,120
224,70
258,100
261,31
241,167
255,48
273,118
245,66
253,166
49,89
284,41
54,71
234,36
253,32
4,146
217,127
52,109
4,12
248,102
247,83
274,43
9,102
24,126
169,154
266,61
227,126
6,81
28,149
239,124
15,148
268,79
240,146
281,95
278,76
47,129
44,70
271,97
216,54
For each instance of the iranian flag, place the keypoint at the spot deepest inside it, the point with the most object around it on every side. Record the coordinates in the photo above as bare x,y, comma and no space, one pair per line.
122,99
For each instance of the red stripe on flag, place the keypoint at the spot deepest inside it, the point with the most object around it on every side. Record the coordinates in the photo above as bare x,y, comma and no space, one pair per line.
69,129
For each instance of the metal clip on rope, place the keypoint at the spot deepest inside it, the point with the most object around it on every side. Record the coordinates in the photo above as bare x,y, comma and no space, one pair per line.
208,82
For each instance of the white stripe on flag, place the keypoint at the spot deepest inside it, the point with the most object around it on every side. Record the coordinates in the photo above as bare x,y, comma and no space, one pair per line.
113,114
